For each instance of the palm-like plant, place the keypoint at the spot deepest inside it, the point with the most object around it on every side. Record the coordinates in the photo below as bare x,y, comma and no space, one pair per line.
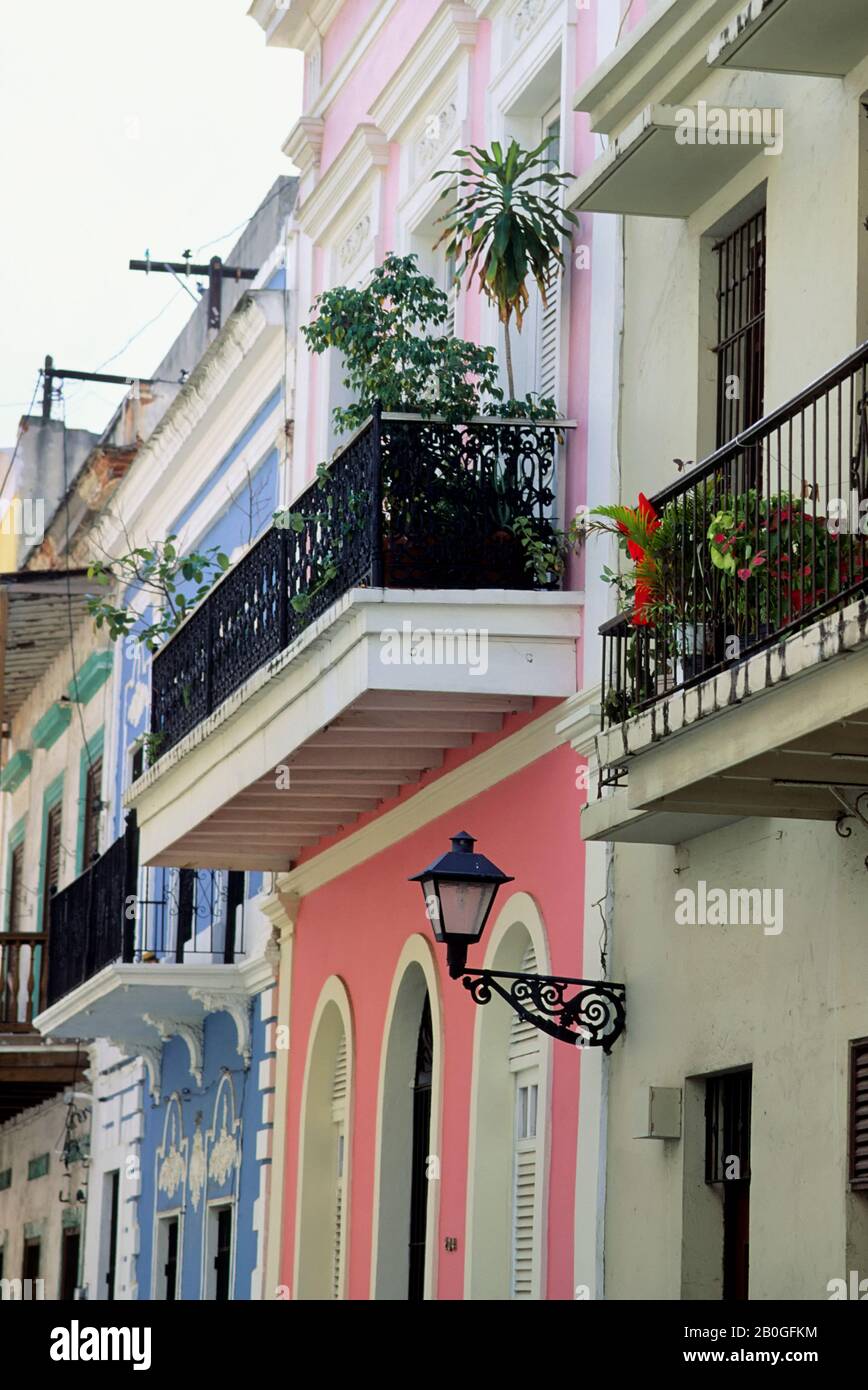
505,226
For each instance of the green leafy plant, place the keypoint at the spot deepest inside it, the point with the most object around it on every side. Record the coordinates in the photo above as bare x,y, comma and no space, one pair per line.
162,573
387,334
506,226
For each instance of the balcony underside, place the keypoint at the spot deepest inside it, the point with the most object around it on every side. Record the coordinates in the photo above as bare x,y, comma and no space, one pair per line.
783,734
816,38
32,1072
346,717
647,172
138,1007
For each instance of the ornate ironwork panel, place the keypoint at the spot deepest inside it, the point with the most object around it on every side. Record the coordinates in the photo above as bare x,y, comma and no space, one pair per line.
593,1016
452,495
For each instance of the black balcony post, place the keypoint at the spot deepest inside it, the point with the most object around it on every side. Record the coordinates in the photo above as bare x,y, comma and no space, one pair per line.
283,588
131,887
186,886
377,498
234,899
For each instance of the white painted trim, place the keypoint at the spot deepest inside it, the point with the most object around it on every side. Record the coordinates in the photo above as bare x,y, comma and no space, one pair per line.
417,950
334,992
520,909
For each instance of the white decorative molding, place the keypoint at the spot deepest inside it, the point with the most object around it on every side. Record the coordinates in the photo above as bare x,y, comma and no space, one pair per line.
303,145
237,1005
526,16
198,1170
150,1054
172,1154
366,151
224,1149
354,243
451,33
191,1034
437,133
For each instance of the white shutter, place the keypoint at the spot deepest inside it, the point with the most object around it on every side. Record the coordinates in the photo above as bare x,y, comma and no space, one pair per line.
549,316
548,336
524,1224
524,1048
339,1111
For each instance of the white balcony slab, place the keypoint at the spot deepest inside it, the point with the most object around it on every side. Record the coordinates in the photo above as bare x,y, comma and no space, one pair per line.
646,171
782,734
341,721
815,38
140,1006
610,818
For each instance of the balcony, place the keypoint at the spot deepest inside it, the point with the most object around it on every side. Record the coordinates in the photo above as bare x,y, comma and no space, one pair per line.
816,38
390,620
745,693
30,1071
139,954
22,979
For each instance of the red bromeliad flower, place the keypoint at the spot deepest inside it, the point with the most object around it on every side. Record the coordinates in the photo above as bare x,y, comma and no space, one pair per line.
643,593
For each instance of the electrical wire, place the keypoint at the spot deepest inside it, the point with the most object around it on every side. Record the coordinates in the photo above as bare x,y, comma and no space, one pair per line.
20,434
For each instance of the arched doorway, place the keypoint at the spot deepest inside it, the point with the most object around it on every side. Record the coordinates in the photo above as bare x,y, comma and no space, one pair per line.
407,1185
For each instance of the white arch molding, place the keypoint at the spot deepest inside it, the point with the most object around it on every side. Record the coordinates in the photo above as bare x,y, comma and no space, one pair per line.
314,1219
487,1244
415,973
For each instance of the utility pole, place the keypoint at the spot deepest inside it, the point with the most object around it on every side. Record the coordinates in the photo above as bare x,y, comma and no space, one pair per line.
50,373
216,271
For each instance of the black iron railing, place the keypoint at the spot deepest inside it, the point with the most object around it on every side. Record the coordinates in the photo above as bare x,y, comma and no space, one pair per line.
408,503
88,919
120,911
762,538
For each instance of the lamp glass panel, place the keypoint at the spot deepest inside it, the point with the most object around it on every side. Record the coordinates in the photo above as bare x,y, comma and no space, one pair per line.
464,906
432,907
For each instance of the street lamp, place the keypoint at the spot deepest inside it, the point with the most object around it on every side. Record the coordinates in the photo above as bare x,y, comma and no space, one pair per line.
459,890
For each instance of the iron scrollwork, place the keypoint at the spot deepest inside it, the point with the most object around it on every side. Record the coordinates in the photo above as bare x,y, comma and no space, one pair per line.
595,1016
857,811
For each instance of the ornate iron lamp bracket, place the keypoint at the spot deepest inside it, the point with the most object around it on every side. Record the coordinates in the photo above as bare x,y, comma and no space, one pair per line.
594,1016
855,810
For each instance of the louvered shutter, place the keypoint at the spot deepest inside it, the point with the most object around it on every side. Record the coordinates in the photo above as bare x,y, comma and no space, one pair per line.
549,315
524,1048
339,1111
859,1115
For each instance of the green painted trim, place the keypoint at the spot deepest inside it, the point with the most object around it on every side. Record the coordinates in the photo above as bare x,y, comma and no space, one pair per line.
93,674
48,729
13,840
38,1167
15,771
53,794
91,750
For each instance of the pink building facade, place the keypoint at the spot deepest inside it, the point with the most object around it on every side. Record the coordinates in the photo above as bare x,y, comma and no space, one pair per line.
426,1147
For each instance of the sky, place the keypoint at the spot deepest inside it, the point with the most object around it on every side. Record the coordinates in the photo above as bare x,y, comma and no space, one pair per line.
123,127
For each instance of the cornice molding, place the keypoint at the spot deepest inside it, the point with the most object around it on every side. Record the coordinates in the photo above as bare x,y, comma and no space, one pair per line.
450,32
366,151
303,145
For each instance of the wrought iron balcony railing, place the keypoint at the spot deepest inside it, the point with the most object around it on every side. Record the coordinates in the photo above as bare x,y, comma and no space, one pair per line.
408,503
120,912
757,541
22,979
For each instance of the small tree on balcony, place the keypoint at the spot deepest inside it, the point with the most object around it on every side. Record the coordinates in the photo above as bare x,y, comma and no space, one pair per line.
506,227
388,334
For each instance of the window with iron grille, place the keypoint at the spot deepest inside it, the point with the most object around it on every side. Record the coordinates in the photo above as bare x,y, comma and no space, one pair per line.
741,302
859,1115
727,1127
16,888
92,809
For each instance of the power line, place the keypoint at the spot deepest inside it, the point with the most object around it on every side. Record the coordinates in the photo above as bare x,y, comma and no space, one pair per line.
20,433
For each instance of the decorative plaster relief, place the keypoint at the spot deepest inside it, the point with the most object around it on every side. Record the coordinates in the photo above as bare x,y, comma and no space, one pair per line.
526,16
198,1166
354,243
